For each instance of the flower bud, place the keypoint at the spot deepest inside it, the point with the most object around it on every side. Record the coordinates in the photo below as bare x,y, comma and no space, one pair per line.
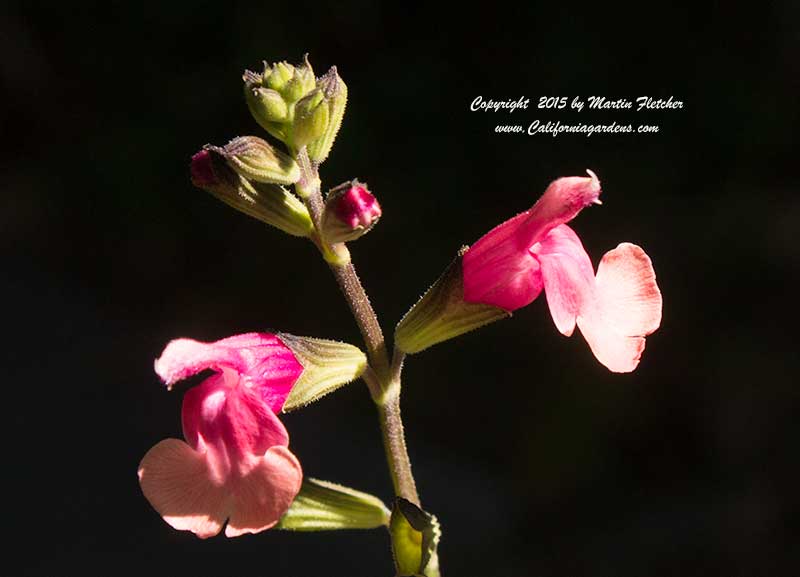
278,75
415,540
301,83
350,212
335,91
442,314
327,365
321,506
257,160
311,116
269,203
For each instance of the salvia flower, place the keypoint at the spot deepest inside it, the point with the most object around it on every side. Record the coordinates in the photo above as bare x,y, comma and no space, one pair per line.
235,464
510,266
614,309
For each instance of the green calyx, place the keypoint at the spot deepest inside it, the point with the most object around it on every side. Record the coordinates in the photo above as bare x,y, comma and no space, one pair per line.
325,506
335,92
257,160
270,203
442,314
327,365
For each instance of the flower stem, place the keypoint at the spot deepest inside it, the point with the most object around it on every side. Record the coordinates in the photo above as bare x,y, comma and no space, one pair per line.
382,378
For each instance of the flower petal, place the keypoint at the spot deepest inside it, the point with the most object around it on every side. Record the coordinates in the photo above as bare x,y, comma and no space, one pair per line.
626,308
568,276
627,291
499,271
560,203
262,497
261,359
177,482
231,422
619,353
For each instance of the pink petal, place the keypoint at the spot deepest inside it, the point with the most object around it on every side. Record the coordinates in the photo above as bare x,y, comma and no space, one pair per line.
262,497
230,422
560,203
176,481
498,271
179,484
619,353
627,290
626,309
568,276
261,359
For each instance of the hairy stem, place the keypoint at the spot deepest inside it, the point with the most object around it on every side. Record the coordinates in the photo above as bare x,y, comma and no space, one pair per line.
382,379
394,443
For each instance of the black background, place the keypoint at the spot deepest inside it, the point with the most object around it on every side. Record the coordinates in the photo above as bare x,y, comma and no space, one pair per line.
536,459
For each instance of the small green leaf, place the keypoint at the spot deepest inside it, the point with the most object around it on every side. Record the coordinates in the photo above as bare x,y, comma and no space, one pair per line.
325,506
415,537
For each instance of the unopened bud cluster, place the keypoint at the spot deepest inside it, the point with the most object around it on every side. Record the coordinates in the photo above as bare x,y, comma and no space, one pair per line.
297,108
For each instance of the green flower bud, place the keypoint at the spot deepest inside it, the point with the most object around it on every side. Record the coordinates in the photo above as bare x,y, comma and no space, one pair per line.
415,538
335,91
322,506
269,203
277,76
311,115
257,160
327,365
301,83
442,314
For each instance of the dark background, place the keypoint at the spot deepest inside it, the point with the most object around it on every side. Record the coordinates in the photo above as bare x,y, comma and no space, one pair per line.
535,458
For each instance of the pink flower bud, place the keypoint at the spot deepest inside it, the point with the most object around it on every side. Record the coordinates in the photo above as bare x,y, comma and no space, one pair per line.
358,207
350,212
202,170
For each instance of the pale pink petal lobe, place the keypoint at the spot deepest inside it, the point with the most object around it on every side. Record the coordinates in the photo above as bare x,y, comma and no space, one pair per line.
627,307
619,353
176,481
627,291
262,497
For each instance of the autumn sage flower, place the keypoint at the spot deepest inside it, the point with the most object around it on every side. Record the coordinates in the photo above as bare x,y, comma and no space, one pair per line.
614,309
510,266
235,464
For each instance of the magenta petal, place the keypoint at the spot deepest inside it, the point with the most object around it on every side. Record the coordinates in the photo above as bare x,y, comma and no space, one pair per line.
560,203
229,421
261,359
498,271
568,276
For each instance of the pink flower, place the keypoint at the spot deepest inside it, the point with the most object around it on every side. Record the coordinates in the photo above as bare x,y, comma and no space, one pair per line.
235,464
614,309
